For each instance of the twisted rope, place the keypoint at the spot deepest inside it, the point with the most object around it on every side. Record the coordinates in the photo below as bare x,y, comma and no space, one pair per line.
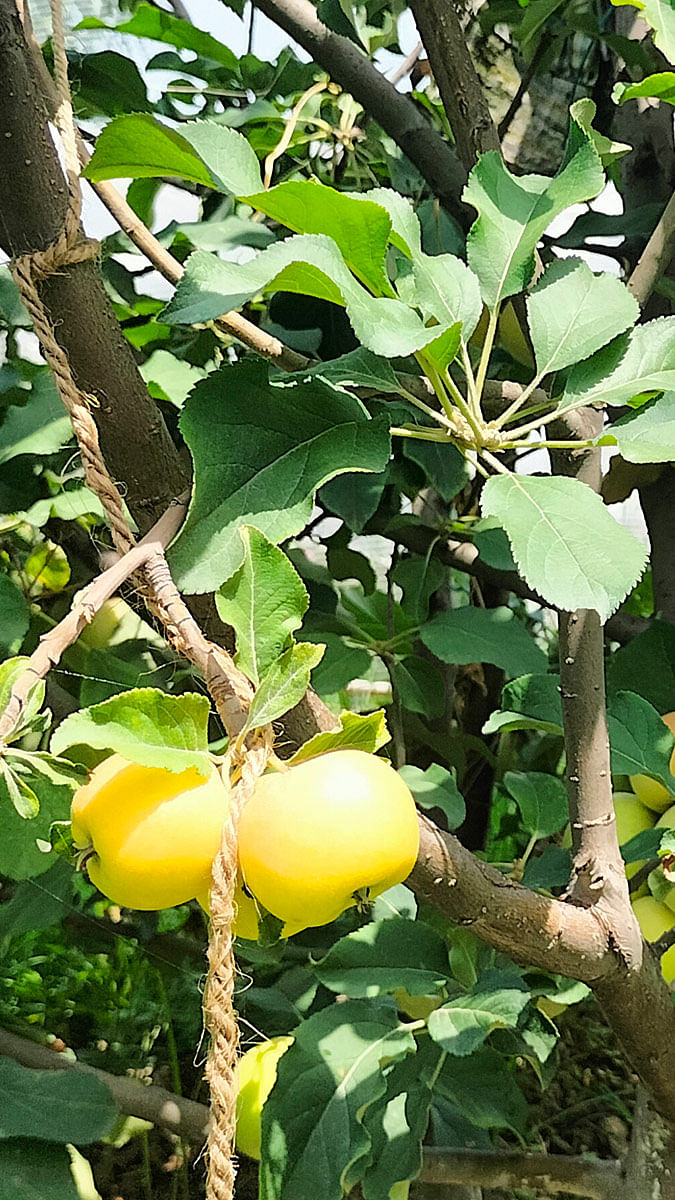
219,1011
230,690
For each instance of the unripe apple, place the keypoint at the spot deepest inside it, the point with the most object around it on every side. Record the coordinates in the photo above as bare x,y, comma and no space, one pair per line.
654,920
255,1077
317,837
152,833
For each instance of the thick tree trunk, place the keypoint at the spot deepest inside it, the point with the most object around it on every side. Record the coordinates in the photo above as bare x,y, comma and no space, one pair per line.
33,199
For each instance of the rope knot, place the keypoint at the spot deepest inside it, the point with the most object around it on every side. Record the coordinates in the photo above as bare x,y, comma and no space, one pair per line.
71,246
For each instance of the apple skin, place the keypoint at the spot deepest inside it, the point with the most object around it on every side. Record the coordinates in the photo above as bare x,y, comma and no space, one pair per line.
154,832
255,1077
654,920
246,918
314,835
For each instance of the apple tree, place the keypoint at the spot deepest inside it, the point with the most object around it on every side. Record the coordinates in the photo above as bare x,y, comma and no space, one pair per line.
329,465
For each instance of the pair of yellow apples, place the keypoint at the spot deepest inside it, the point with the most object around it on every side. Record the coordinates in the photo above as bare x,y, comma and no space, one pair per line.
311,837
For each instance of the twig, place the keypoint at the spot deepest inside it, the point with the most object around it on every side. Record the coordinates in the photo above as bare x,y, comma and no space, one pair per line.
642,875
461,91
664,943
392,110
655,257
407,65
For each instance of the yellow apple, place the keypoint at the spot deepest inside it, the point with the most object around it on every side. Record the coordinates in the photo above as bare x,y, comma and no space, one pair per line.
152,834
255,1077
654,920
246,919
316,838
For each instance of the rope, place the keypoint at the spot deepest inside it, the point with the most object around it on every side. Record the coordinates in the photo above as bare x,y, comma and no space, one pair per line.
224,681
219,1011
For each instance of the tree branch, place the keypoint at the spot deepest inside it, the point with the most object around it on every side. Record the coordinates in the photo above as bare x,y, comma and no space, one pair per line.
393,111
549,1173
461,90
655,257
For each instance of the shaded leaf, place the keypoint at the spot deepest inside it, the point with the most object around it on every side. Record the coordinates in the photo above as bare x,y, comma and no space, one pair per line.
461,1025
542,800
61,1106
384,956
283,684
485,635
436,787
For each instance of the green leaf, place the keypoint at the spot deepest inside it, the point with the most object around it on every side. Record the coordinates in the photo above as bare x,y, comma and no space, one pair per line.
264,602
660,14
419,686
66,505
108,83
11,671
436,787
14,616
33,1170
359,368
514,212
647,435
312,1124
397,1126
145,726
640,742
359,228
384,956
462,1025
259,459
445,466
312,265
660,85
24,844
61,1106
47,568
170,377
161,26
572,313
284,684
550,869
484,1090
37,907
483,635
567,545
24,799
354,497
636,362
447,290
368,733
532,702
542,800
646,665
203,152
40,426
583,111
419,578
